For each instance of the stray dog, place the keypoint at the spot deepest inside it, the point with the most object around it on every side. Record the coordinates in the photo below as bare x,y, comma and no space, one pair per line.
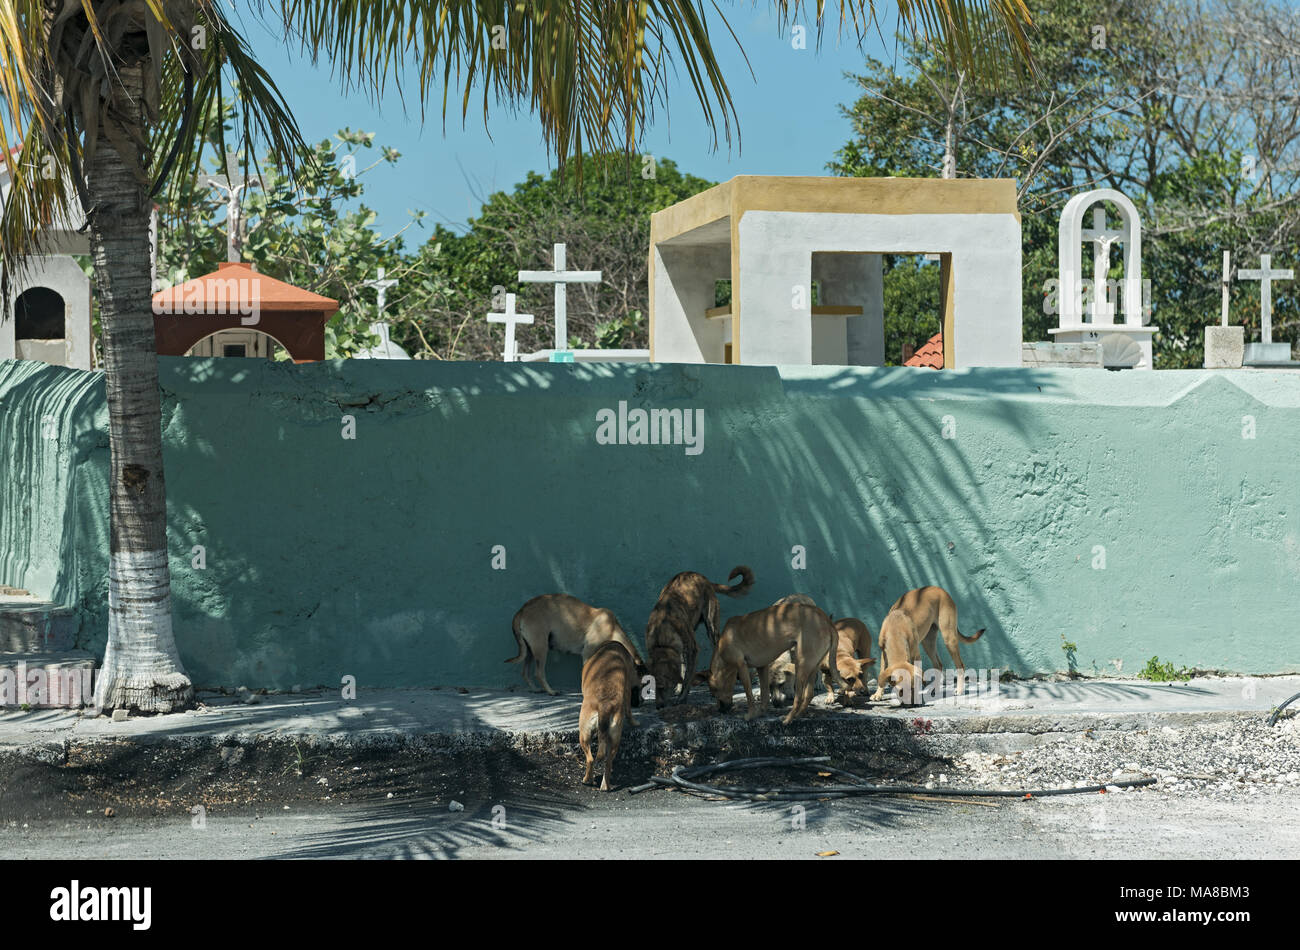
853,654
686,601
757,640
562,622
852,657
782,669
609,683
911,624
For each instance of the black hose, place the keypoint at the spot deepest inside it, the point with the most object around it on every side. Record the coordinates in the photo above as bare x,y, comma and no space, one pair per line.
683,778
1278,711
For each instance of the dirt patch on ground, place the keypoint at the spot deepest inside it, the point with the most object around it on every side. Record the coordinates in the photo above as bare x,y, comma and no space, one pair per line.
151,780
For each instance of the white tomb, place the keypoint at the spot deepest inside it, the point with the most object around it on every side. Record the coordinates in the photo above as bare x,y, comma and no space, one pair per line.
49,300
1124,345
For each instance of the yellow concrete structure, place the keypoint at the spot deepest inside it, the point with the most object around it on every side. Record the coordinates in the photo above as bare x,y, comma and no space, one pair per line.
773,236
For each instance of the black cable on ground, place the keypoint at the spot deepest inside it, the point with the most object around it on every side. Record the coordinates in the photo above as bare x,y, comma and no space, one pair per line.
683,778
1277,712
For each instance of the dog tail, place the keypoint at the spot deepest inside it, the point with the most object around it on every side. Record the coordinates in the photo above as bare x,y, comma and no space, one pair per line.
965,639
604,723
524,651
737,590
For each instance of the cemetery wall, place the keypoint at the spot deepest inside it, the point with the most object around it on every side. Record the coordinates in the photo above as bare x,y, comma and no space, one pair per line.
1129,514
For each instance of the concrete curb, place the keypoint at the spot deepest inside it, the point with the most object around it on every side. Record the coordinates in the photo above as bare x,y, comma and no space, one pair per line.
716,737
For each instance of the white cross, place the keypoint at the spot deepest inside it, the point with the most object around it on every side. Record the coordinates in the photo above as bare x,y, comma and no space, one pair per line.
1102,311
510,318
232,183
561,278
1227,282
1266,275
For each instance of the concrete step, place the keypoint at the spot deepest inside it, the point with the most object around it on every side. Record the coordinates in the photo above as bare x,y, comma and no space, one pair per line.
29,624
44,680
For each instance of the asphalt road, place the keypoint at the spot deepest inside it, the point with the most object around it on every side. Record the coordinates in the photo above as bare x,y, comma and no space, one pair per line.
1136,824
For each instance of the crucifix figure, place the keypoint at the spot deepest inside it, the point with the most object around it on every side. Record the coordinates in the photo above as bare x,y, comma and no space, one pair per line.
1102,239
232,183
1266,275
381,288
561,278
379,327
510,319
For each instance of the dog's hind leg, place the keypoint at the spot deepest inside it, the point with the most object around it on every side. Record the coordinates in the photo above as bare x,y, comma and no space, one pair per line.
539,659
585,729
610,739
804,687
931,644
689,657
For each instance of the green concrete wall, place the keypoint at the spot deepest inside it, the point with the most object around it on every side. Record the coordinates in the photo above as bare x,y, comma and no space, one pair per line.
373,556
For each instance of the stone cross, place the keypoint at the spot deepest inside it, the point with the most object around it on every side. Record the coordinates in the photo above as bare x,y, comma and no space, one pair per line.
561,278
1102,311
510,319
1266,275
232,183
1227,282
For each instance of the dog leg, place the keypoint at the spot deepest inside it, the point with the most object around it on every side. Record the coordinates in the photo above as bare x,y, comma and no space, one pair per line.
953,643
541,669
611,750
602,753
584,740
804,686
688,672
749,693
879,694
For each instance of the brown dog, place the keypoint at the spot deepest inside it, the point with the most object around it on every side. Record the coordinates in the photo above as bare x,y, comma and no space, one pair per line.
686,601
853,653
609,681
757,640
911,624
781,672
852,657
562,622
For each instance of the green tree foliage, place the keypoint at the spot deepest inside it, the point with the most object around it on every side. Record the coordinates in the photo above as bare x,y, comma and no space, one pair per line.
1151,97
316,232
313,231
605,227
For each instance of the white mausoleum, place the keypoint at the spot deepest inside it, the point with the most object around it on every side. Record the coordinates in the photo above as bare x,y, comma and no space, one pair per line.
773,237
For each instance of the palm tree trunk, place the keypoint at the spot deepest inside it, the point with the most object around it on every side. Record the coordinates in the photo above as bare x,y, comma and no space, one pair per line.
141,669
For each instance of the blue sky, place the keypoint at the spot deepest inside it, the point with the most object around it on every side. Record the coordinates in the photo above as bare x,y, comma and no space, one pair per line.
789,120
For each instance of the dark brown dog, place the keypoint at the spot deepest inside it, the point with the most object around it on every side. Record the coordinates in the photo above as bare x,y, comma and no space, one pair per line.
686,601
609,681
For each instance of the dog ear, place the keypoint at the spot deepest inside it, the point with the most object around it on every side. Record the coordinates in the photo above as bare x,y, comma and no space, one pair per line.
864,663
701,676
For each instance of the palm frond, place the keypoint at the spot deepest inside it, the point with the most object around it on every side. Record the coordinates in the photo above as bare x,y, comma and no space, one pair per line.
60,97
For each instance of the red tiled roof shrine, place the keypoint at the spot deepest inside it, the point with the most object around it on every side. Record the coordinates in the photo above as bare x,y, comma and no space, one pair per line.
236,297
930,354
